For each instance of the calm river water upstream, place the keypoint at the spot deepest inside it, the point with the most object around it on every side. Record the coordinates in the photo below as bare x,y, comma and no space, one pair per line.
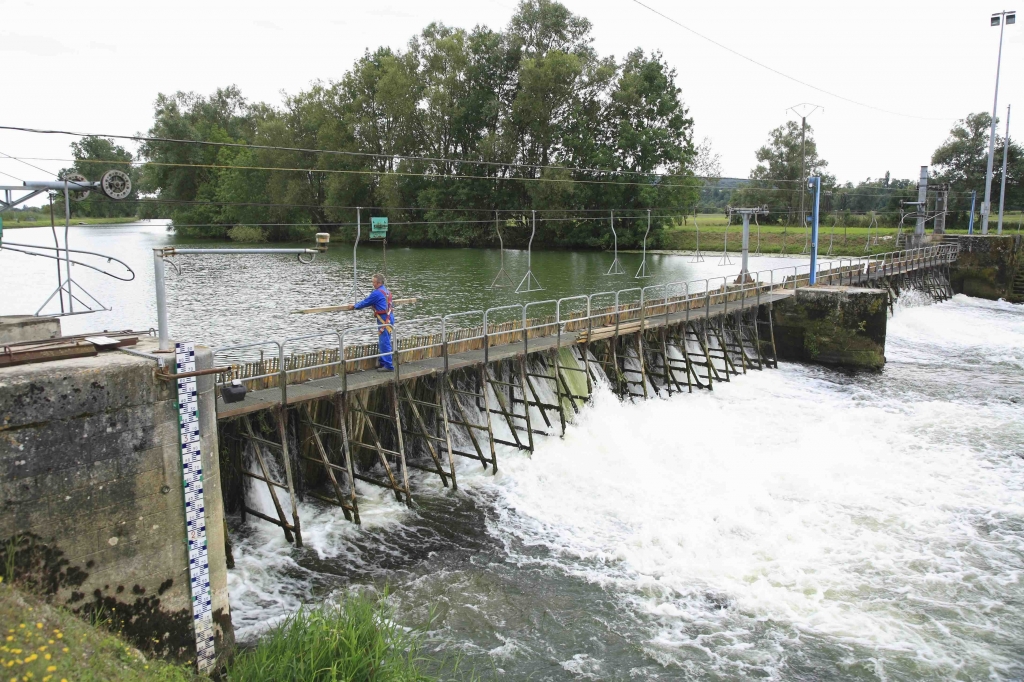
794,524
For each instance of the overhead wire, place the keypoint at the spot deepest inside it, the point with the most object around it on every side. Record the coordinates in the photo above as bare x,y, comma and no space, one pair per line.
390,157
781,73
880,192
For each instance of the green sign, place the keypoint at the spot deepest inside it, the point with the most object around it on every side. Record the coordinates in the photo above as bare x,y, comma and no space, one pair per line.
378,228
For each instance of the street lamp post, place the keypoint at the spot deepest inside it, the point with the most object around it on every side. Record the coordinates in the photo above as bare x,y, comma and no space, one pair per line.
1000,19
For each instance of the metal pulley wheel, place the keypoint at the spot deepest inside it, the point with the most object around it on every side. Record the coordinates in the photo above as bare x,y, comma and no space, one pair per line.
116,184
77,195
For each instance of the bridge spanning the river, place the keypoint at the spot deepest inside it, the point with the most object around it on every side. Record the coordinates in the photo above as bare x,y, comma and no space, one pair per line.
317,418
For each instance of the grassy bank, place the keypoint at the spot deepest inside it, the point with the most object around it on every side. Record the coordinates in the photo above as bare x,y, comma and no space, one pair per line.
10,224
43,643
358,641
848,241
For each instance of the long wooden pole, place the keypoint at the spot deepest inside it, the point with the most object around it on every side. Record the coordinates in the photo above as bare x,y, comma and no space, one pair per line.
348,306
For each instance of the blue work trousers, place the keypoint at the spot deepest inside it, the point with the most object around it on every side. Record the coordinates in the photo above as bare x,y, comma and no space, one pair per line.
384,346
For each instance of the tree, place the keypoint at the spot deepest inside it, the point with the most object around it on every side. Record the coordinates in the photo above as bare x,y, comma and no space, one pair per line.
777,180
94,156
473,121
962,161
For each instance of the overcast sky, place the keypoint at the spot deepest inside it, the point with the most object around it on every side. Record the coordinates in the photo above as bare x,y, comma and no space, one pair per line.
99,68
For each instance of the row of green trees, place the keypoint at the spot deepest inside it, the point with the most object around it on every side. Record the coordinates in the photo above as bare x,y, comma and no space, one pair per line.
463,123
960,162
469,120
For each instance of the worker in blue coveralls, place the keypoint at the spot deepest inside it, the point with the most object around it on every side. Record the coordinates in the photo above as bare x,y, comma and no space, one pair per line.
380,300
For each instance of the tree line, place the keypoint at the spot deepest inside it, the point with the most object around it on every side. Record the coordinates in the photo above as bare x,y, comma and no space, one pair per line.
472,120
959,162
463,123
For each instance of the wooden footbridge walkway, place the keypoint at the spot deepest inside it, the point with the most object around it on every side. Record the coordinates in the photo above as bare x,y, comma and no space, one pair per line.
316,421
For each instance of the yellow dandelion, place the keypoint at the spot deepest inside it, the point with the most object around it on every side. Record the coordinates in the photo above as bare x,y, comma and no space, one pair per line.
29,659
42,648
51,668
15,651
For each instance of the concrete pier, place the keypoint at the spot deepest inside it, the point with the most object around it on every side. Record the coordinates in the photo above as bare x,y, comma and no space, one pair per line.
833,325
987,266
21,328
92,495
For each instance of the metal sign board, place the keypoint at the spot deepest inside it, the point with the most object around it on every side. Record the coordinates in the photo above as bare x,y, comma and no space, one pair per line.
378,228
195,511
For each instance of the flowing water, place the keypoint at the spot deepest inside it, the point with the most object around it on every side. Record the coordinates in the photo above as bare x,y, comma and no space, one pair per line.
224,300
799,523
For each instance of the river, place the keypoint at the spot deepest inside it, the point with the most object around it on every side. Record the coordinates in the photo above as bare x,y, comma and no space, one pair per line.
797,524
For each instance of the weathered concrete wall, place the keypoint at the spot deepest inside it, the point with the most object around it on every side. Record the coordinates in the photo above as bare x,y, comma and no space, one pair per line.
842,326
986,265
18,328
91,493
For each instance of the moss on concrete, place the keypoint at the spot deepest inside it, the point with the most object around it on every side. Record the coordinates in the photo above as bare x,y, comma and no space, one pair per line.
986,265
841,326
44,642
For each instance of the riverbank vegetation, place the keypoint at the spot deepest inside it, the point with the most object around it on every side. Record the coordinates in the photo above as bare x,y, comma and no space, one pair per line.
357,641
12,220
44,643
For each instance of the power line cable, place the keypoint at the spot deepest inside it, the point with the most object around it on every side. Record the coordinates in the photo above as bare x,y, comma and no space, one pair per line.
409,157
780,73
405,174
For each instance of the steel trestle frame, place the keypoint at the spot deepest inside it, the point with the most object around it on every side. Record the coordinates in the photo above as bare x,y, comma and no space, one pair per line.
659,339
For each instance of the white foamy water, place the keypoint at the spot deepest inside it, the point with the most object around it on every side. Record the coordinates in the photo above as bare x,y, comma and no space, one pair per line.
798,523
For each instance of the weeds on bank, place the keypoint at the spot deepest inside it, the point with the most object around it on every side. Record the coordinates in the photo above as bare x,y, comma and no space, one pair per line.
43,643
358,641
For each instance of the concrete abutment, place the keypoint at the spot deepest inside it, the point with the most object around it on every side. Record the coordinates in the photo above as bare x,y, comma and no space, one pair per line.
92,494
833,325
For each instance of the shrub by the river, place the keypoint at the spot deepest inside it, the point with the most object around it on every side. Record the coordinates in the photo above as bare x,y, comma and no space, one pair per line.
247,234
358,641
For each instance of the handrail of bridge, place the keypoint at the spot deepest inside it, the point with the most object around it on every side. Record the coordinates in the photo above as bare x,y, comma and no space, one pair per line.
256,344
487,339
755,284
444,332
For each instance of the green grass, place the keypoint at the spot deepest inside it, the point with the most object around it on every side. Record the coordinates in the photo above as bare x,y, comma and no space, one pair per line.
44,643
10,224
776,239
358,641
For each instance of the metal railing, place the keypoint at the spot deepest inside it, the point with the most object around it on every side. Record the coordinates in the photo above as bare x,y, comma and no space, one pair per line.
626,305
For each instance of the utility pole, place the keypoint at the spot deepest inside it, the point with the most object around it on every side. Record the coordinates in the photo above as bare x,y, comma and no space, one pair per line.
1000,19
1002,181
803,114
814,184
941,208
744,277
970,223
922,207
803,161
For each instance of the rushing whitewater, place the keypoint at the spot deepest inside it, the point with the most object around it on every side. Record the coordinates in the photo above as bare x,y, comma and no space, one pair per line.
793,524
